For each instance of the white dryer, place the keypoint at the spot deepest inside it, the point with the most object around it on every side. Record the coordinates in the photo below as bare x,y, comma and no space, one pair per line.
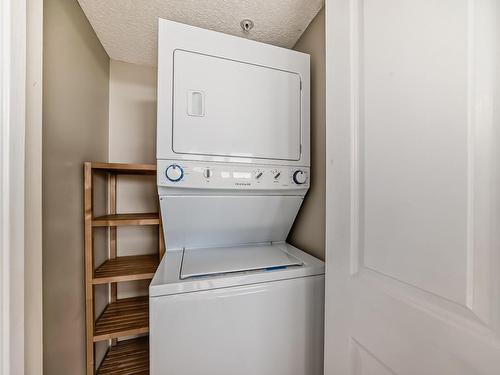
231,296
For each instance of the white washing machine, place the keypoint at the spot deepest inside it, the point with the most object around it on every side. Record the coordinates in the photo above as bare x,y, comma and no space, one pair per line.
231,296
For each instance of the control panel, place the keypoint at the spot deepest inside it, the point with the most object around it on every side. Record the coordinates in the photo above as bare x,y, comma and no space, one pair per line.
203,175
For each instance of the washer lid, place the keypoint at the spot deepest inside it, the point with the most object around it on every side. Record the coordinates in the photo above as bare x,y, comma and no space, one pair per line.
225,220
167,279
223,260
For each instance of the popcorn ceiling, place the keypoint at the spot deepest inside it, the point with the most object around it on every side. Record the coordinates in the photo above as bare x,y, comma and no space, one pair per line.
127,29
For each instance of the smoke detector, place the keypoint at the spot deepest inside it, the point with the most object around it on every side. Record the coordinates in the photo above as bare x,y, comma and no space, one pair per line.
246,25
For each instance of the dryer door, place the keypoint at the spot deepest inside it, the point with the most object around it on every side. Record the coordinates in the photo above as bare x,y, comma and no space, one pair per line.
223,107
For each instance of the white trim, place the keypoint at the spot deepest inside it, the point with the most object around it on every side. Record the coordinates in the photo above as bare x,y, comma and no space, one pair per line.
355,33
12,125
4,228
471,50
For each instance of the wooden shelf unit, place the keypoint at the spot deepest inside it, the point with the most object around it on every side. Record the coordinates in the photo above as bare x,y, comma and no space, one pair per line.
121,317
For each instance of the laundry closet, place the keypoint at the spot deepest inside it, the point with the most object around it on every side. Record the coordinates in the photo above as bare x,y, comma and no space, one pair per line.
100,105
378,183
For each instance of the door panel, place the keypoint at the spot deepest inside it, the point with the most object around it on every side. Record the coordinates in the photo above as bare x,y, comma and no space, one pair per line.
412,136
413,253
365,363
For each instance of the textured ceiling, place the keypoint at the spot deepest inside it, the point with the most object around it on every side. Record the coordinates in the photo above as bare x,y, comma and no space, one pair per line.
128,28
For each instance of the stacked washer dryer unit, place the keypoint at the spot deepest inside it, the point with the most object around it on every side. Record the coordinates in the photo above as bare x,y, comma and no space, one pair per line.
231,296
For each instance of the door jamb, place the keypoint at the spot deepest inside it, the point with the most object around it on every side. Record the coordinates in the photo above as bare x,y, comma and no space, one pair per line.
12,158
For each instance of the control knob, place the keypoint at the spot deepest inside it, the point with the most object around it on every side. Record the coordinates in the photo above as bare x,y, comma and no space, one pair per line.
174,173
299,177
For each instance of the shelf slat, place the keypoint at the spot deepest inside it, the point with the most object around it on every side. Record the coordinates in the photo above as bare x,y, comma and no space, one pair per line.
125,317
126,358
124,168
126,219
128,268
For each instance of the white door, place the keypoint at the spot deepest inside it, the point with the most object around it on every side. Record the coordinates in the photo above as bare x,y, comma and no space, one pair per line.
413,187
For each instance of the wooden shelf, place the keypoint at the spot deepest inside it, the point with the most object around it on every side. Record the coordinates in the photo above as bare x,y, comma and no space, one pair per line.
125,317
115,220
128,268
126,358
119,168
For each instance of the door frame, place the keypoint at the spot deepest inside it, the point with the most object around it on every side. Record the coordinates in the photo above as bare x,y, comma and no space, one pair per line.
12,137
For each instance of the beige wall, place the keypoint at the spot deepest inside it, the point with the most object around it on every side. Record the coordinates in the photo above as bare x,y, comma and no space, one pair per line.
132,139
132,113
33,339
308,232
75,129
